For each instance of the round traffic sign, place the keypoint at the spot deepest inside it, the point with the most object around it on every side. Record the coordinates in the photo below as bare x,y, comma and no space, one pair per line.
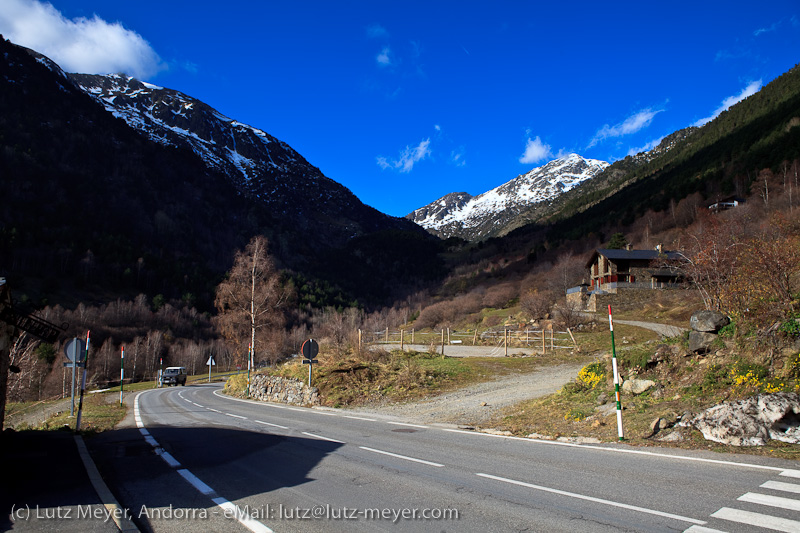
75,350
310,349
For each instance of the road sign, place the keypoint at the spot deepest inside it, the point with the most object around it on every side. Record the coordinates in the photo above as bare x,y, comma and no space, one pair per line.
310,349
75,350
210,361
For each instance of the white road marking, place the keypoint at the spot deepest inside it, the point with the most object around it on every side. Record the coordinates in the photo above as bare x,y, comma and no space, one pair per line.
780,485
771,501
758,519
783,471
269,424
195,482
596,500
701,529
360,418
405,457
409,425
235,416
230,509
210,409
323,438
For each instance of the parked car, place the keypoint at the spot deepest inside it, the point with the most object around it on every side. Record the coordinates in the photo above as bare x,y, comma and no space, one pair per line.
174,375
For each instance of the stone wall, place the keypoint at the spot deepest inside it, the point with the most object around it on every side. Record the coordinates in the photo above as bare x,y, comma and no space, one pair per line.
625,299
283,390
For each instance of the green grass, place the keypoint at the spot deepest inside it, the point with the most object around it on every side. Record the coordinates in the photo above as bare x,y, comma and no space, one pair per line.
101,412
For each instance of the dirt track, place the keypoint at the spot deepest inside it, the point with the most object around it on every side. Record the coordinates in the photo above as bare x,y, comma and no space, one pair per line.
465,406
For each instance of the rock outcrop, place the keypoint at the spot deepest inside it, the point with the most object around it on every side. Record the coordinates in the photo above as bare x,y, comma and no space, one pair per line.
283,390
752,421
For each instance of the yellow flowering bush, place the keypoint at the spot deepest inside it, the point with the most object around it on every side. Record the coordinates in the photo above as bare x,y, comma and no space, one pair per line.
591,375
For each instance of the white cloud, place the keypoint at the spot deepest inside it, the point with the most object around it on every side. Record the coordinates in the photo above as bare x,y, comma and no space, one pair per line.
409,156
632,124
770,29
90,46
751,89
647,147
457,157
535,151
376,31
384,57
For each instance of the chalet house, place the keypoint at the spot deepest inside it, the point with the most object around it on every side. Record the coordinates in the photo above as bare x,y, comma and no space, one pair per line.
610,267
724,204
623,277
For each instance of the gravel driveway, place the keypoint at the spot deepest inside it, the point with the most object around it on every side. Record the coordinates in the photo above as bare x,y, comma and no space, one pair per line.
477,404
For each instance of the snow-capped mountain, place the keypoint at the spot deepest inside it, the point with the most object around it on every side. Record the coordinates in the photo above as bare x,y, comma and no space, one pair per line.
485,215
256,162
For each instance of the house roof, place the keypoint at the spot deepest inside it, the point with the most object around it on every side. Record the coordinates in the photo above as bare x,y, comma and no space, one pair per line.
621,254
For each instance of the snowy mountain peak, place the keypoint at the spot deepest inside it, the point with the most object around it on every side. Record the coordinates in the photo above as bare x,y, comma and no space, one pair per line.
474,218
256,162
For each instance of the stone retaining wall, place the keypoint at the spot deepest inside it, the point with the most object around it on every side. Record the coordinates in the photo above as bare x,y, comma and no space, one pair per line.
283,390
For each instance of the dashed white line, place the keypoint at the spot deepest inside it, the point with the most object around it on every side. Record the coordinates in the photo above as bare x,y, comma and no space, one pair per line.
235,416
405,424
596,500
216,411
270,424
195,482
230,509
321,437
405,457
360,418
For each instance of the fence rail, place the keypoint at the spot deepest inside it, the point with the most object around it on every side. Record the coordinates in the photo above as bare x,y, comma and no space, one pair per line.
547,339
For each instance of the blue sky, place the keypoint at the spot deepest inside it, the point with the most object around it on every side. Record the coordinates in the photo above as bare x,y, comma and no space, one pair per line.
404,102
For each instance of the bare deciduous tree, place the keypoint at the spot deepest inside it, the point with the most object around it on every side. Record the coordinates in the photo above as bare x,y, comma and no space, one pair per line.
250,300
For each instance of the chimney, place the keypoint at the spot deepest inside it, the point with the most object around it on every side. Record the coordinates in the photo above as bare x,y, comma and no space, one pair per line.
629,247
660,248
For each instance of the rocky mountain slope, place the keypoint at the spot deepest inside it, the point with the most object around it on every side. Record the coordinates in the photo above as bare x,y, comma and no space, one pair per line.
488,214
114,187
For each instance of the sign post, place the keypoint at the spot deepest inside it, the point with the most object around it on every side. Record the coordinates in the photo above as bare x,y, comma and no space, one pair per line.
73,349
121,372
616,376
210,362
83,385
310,349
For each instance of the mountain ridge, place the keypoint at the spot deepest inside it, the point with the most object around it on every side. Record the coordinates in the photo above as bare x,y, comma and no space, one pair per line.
156,217
488,214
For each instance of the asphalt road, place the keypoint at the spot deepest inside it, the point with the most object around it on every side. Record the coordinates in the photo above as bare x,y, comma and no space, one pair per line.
201,461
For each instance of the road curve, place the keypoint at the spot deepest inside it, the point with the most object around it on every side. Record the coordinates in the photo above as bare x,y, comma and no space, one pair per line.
273,466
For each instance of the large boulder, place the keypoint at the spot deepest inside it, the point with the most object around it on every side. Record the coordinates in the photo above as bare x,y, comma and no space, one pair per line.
752,421
637,386
708,321
700,342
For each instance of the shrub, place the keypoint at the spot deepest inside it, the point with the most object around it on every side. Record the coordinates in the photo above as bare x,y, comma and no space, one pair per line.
791,327
592,374
748,375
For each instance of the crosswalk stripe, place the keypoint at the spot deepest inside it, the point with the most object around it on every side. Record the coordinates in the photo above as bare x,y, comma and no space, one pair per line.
772,501
702,529
757,519
780,485
791,473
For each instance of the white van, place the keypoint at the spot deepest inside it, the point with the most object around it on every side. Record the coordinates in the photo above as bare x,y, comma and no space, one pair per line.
174,375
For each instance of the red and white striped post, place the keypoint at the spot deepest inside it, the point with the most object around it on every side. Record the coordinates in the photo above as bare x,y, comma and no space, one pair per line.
616,376
121,372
